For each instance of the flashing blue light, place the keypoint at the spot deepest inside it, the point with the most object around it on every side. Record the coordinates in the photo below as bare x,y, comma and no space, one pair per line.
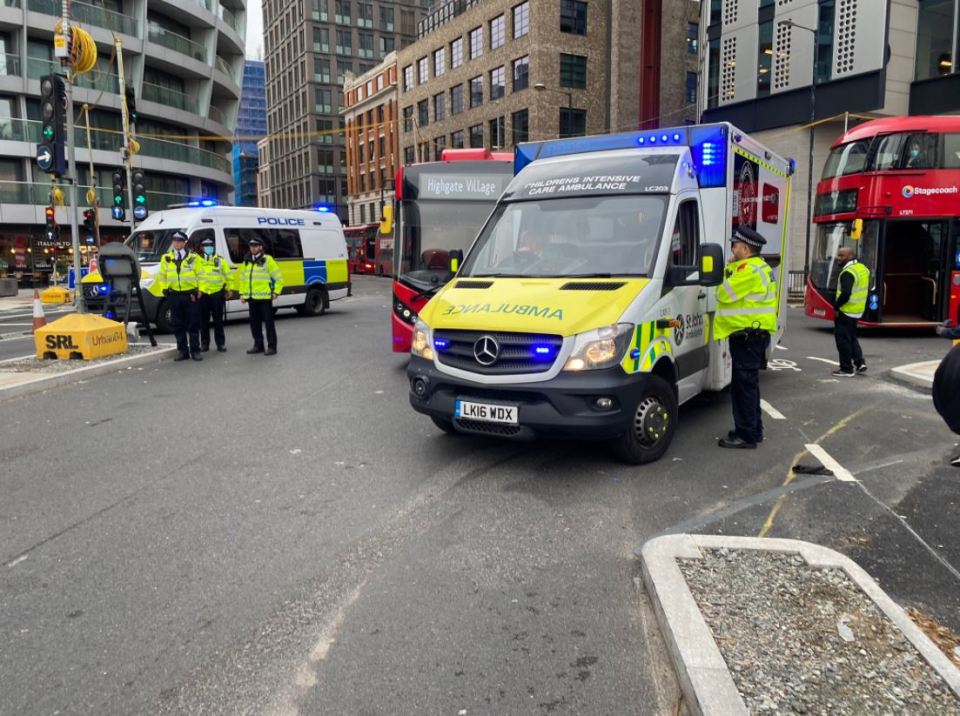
635,353
708,145
322,209
676,136
653,139
206,203
441,344
543,350
664,138
640,140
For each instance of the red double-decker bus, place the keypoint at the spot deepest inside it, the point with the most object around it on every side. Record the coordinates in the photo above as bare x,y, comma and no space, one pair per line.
891,191
361,247
441,206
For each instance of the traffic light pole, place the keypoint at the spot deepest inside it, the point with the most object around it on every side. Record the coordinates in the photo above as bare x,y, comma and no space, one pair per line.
72,174
125,119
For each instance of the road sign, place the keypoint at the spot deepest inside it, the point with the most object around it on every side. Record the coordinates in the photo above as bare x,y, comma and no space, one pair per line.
118,213
44,157
139,212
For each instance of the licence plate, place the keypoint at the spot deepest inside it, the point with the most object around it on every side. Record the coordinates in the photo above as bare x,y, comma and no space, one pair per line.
486,412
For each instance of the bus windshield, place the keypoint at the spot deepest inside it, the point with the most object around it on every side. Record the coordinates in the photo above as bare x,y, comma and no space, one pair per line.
846,159
586,236
150,246
824,270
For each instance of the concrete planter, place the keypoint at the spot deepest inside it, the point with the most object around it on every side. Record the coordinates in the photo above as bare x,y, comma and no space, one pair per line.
8,287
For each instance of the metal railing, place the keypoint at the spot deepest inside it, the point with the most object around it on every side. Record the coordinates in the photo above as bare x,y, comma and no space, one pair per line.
217,115
103,81
232,20
10,65
177,43
101,17
9,3
179,152
169,98
226,69
37,68
38,194
796,285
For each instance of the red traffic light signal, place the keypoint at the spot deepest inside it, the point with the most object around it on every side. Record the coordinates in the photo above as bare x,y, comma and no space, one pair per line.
51,215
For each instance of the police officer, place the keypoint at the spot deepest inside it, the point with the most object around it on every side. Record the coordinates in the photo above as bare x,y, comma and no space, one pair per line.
214,280
259,282
848,306
179,281
747,315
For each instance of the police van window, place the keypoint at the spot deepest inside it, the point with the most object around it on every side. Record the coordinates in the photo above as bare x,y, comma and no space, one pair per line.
286,244
193,243
235,246
686,236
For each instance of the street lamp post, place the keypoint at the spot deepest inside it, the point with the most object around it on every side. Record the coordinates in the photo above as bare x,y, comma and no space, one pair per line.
540,87
813,116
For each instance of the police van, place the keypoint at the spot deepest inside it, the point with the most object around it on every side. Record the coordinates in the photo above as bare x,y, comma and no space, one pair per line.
584,308
309,248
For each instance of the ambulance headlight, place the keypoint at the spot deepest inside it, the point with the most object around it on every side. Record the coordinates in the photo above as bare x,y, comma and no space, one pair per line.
421,341
600,348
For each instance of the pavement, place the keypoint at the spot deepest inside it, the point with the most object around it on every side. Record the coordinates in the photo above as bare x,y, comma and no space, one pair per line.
917,374
283,534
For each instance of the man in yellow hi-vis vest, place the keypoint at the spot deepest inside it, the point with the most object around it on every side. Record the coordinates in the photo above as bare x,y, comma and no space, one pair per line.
747,315
215,277
849,305
179,280
259,281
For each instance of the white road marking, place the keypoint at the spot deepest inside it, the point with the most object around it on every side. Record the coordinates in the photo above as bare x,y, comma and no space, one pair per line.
824,360
771,411
17,561
839,471
781,348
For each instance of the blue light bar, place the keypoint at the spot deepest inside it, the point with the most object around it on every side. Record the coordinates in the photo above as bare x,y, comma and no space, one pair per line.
322,208
708,146
441,344
203,202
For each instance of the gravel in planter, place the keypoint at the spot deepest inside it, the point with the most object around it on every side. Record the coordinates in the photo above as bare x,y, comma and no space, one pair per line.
805,640
43,366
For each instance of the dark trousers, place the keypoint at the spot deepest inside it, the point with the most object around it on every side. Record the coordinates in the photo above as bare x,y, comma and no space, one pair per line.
746,353
845,333
211,308
261,316
185,313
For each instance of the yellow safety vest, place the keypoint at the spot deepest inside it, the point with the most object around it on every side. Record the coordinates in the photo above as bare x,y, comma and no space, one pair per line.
259,279
857,303
214,273
747,298
181,276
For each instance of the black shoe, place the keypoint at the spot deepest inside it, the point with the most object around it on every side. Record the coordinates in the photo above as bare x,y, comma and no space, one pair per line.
197,356
255,349
736,443
181,356
221,349
862,368
956,461
843,374
270,352
204,349
732,435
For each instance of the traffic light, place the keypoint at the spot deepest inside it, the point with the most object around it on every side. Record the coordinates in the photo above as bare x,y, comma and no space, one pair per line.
131,98
90,221
51,219
139,182
119,208
51,156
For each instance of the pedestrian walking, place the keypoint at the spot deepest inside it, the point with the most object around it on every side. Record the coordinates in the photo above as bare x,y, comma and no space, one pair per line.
747,315
259,282
214,283
848,306
946,393
179,280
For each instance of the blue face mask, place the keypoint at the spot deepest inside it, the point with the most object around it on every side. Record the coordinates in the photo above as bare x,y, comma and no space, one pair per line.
208,250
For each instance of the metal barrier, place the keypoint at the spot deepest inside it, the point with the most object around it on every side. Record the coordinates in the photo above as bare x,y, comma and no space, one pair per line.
796,283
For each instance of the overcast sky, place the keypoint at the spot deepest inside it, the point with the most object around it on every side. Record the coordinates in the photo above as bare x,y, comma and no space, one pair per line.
254,30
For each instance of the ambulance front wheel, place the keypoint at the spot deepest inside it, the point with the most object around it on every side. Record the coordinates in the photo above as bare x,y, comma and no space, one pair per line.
652,426
164,317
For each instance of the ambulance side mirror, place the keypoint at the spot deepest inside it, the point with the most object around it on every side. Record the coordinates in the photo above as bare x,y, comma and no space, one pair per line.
711,264
456,258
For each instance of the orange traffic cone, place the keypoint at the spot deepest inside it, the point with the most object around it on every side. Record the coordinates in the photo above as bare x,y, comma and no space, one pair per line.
39,320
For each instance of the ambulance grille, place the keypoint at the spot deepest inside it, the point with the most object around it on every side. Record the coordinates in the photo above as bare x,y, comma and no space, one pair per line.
591,286
517,352
474,284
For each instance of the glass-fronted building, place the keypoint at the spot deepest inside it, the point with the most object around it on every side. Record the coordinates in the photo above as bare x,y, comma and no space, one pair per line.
251,128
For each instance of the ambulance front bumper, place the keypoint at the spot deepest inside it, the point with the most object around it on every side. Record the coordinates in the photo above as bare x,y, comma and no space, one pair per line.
573,405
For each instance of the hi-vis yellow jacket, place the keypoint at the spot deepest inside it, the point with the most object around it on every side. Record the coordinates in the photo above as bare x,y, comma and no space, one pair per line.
258,279
747,298
180,276
214,273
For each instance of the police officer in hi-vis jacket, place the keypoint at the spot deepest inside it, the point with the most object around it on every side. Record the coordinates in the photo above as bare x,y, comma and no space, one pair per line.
214,285
179,280
259,282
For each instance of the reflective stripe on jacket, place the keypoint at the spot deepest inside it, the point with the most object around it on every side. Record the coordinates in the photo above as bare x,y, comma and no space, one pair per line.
181,276
214,273
747,298
259,279
857,303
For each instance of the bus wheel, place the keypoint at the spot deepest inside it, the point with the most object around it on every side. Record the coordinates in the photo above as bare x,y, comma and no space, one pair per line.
314,303
165,318
653,424
445,424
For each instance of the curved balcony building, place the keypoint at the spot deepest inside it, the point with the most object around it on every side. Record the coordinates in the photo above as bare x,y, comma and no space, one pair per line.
184,59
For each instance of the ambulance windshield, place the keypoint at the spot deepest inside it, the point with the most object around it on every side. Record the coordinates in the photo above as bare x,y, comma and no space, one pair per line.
150,246
580,236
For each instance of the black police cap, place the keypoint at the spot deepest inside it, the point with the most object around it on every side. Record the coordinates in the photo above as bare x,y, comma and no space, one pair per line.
207,242
748,236
254,240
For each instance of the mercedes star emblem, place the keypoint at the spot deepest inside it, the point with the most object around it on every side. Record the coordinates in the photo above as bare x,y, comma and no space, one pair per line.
486,350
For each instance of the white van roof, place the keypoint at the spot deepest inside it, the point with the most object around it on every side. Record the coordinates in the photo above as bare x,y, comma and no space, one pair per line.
188,216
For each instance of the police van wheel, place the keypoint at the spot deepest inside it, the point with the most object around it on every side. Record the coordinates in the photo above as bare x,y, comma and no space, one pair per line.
314,303
165,318
445,424
651,430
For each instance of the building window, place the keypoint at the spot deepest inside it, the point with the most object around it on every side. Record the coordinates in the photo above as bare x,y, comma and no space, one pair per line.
439,107
321,39
439,62
476,136
573,71
476,91
521,20
497,32
439,144
343,12
934,36
366,46
521,74
573,122
423,70
423,113
387,45
456,53
408,78
319,10
713,73
476,42
456,140
321,70
408,119
456,99
573,17
764,57
408,157
323,101
386,19
693,38
365,15
497,82
344,42
691,88
520,122
497,133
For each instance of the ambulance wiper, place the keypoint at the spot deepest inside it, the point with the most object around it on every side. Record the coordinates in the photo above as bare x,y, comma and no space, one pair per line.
587,275
501,275
428,292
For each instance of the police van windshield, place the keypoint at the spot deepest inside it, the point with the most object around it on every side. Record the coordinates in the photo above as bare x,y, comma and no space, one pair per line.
151,245
575,236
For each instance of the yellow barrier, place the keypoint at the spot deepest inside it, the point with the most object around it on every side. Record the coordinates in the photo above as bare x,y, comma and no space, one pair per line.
85,336
56,294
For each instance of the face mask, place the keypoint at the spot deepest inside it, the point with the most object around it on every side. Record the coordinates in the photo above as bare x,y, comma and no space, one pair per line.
208,250
914,153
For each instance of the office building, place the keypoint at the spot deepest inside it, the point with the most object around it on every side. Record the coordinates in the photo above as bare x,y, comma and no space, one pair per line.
251,128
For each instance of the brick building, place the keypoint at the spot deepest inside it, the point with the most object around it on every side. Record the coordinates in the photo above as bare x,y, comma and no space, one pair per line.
372,144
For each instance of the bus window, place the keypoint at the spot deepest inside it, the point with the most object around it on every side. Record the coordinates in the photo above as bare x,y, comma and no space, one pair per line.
920,152
830,238
888,151
846,159
951,151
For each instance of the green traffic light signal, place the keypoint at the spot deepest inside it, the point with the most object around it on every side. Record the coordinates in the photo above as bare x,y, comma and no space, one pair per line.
118,200
48,132
141,199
